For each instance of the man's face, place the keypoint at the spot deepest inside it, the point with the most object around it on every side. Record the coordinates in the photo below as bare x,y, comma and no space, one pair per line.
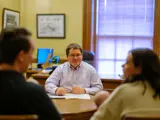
25,59
75,57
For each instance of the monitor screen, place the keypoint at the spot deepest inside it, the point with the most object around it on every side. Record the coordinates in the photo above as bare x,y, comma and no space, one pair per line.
42,55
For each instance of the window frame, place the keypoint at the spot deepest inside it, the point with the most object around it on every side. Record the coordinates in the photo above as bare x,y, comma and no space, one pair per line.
89,30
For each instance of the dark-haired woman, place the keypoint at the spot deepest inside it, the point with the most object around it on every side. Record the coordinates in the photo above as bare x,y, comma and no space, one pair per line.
141,88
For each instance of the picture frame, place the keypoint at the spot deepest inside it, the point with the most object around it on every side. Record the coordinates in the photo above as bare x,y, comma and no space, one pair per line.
51,26
10,18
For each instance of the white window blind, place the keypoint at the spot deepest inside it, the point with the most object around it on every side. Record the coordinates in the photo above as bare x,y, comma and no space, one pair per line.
121,26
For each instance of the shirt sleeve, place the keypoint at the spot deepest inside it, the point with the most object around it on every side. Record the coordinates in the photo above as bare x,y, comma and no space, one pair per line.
111,109
53,81
43,105
96,84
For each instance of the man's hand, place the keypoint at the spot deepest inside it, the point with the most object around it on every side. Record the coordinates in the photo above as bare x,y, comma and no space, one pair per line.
78,90
61,91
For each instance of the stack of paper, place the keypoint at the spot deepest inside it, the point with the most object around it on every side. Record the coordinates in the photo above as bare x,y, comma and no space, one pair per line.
71,96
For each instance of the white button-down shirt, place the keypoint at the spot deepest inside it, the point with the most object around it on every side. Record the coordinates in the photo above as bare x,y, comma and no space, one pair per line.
84,76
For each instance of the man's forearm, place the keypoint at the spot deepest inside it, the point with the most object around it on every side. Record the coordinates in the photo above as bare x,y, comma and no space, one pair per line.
92,90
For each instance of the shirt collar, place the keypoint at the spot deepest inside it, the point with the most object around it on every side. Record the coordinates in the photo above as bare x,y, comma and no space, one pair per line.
78,67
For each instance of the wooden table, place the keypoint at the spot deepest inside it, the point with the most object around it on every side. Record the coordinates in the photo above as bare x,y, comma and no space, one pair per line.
41,78
29,73
75,109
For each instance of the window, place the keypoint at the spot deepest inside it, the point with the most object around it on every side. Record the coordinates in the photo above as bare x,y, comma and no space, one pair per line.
121,26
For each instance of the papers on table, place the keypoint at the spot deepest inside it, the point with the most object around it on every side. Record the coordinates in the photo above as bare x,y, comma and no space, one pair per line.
71,96
46,71
78,96
56,97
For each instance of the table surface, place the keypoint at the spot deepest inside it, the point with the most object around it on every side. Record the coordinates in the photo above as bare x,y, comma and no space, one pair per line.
75,109
74,106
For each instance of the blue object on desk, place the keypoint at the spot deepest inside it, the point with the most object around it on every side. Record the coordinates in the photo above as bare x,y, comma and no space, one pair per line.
56,59
42,55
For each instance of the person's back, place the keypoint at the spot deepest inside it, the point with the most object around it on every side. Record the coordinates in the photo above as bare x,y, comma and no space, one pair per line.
16,95
134,98
21,97
126,98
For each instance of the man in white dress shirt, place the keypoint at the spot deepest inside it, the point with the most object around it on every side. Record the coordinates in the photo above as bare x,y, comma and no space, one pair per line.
74,76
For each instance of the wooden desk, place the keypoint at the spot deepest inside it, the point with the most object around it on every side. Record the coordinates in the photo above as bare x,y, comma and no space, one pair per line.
29,73
40,78
75,109
111,83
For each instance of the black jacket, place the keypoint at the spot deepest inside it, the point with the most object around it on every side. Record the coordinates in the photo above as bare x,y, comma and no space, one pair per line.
20,97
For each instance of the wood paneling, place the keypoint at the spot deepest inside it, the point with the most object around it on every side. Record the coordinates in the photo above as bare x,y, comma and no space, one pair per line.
87,15
111,83
18,117
156,37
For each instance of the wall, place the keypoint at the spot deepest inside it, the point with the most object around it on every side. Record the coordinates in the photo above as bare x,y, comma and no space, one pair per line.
74,18
11,4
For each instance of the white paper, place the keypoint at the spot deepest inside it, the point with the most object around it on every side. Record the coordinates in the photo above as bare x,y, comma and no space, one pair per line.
78,96
71,96
56,97
46,71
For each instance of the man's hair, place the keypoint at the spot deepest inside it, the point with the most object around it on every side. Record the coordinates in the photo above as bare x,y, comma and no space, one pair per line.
12,41
73,46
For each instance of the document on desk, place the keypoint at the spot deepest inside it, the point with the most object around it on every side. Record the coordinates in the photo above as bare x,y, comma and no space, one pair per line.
56,97
71,96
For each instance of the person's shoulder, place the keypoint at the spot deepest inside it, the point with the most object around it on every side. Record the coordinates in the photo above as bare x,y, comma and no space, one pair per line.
33,88
87,66
123,87
137,85
28,90
129,90
61,66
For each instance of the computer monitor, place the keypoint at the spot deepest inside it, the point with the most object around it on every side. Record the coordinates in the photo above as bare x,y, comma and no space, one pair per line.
42,55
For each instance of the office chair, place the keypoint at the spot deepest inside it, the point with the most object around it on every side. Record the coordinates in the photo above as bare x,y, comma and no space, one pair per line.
18,117
142,114
89,57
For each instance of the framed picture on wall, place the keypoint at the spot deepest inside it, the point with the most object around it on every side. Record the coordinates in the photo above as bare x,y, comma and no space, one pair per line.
51,26
11,18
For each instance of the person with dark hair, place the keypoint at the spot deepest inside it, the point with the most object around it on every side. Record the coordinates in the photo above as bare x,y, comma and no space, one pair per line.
16,95
74,76
141,89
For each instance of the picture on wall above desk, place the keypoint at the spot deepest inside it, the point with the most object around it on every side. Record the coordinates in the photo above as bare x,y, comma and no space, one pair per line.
11,18
51,26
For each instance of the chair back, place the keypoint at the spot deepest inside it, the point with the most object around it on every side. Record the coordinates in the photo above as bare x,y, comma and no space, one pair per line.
148,114
89,57
18,117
